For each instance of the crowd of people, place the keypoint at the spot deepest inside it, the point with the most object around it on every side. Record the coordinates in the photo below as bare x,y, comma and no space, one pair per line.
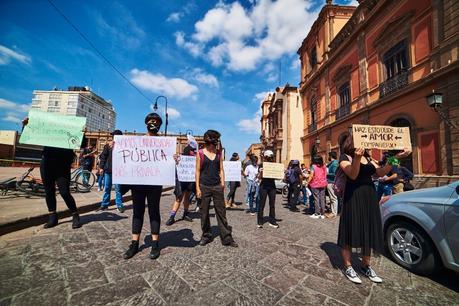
365,181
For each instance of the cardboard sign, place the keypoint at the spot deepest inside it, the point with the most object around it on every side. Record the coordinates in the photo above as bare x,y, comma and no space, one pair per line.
144,160
8,137
53,130
186,169
232,171
381,137
273,170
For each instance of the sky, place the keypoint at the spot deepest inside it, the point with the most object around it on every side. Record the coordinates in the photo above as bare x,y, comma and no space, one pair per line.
213,60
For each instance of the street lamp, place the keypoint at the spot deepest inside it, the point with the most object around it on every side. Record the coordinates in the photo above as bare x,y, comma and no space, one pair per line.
435,101
155,108
189,132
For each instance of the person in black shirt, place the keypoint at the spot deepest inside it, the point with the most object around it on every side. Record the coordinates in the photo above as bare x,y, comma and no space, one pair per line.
295,180
267,189
210,185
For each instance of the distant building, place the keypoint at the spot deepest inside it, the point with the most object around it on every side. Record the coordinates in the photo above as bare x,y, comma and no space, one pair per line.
255,149
77,101
282,124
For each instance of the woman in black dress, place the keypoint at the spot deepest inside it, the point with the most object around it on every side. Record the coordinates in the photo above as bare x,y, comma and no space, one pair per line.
360,225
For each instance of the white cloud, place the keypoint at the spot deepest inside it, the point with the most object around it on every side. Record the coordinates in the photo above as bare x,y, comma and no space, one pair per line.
259,97
194,48
175,17
12,106
241,38
353,3
205,78
173,113
157,83
6,55
11,118
251,126
296,64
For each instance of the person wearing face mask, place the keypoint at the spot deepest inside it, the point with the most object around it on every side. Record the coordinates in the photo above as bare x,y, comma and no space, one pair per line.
210,186
152,195
267,189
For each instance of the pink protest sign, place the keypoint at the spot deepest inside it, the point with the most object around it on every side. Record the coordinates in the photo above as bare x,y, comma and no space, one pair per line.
144,160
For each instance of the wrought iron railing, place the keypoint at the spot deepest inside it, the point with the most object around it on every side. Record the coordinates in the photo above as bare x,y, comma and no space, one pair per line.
343,111
393,84
312,127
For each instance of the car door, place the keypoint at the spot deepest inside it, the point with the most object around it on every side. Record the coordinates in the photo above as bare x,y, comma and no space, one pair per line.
451,218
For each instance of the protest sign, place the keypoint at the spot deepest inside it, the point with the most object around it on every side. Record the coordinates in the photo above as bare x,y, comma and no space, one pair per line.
144,160
8,137
53,130
186,169
232,171
273,170
381,137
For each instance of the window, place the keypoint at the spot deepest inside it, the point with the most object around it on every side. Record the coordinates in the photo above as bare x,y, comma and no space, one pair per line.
396,60
313,57
313,110
344,95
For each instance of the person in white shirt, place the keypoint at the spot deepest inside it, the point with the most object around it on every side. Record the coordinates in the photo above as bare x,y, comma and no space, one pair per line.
250,173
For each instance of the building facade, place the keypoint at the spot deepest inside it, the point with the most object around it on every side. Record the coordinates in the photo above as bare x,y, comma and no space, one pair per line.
282,124
379,69
255,149
77,101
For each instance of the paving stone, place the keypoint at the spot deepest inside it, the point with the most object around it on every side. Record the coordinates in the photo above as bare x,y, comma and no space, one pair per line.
11,267
144,298
217,294
53,294
168,284
284,279
257,271
276,261
73,237
256,291
85,277
130,268
6,301
111,292
305,296
241,301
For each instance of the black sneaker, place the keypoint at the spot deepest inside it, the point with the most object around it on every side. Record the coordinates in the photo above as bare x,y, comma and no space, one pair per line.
170,221
273,224
133,249
52,221
121,208
187,218
232,244
76,221
205,241
155,250
294,208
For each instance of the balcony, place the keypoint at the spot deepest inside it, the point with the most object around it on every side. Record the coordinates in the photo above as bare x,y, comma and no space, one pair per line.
393,84
343,111
312,127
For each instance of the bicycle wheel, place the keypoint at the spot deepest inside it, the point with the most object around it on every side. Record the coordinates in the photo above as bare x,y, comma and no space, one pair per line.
84,181
285,192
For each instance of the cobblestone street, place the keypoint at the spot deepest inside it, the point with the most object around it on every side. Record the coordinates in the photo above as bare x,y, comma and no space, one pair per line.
297,264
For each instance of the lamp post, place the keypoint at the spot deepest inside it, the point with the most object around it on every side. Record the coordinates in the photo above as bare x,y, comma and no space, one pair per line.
435,101
155,108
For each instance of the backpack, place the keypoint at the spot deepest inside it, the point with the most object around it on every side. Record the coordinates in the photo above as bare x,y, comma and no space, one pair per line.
201,156
292,177
339,184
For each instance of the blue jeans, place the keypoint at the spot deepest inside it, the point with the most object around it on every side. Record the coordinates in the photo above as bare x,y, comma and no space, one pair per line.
305,197
247,191
100,181
384,189
108,189
252,192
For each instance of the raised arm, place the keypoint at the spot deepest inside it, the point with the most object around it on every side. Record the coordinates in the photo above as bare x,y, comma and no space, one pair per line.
352,169
222,174
198,175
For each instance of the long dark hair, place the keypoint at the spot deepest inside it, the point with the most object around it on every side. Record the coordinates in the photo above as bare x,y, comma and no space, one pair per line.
346,146
318,160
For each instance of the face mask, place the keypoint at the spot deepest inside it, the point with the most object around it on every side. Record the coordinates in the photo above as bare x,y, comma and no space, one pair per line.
151,127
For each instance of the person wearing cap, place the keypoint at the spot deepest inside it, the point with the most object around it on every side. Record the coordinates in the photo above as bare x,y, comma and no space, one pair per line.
233,186
267,189
295,180
150,194
105,169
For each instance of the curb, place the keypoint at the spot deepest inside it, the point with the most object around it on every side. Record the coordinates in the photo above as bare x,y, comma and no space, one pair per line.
23,223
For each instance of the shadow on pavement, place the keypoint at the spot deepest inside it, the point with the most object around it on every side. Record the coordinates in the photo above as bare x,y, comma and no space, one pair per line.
103,216
182,238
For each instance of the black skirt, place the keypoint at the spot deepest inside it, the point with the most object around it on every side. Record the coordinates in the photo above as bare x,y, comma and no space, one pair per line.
360,226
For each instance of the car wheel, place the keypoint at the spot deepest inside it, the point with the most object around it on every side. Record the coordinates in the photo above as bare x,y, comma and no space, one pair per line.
411,248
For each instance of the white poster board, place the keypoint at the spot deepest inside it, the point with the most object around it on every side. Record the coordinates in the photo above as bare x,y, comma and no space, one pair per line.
232,171
273,170
144,160
186,169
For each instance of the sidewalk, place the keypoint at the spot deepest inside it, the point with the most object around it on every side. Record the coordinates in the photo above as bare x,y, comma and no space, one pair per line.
19,212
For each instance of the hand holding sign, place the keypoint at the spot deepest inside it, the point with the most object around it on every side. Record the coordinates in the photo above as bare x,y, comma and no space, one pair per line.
381,137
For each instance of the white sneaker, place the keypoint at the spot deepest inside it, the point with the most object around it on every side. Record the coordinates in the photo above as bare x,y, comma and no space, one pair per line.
259,226
315,216
321,217
371,274
351,275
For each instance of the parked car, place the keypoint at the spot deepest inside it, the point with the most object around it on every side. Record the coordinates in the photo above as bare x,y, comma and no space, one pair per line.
421,228
280,185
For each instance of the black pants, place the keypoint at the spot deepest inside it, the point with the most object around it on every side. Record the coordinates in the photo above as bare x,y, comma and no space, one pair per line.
232,193
153,196
294,195
53,173
265,192
215,194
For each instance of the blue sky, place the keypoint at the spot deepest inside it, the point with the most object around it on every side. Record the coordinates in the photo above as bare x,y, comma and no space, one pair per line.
213,60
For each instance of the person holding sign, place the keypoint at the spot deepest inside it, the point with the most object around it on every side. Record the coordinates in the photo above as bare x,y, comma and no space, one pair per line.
55,169
184,194
152,195
360,223
267,189
210,185
233,186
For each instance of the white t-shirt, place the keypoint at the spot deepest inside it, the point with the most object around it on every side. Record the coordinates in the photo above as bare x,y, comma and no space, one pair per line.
251,172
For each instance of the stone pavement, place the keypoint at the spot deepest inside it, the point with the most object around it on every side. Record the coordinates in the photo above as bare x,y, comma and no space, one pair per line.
296,264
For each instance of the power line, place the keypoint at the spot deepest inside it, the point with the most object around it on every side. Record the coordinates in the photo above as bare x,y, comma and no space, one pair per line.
97,51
